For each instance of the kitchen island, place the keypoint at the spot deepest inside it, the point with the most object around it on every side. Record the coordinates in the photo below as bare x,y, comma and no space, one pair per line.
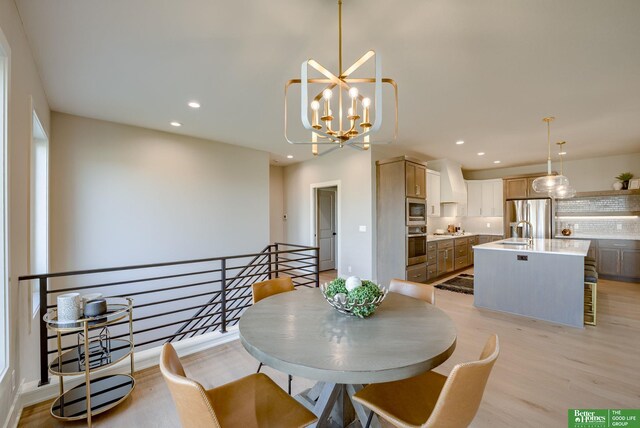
541,278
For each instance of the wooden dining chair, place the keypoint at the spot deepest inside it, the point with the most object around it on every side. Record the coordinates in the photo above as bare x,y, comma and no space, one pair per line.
252,401
262,290
431,399
416,290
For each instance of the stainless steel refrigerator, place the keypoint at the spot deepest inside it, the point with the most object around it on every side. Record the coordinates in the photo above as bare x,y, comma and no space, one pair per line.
538,212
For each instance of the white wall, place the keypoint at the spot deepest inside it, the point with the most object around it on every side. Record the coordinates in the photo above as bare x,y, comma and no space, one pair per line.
24,84
353,170
123,195
276,204
584,174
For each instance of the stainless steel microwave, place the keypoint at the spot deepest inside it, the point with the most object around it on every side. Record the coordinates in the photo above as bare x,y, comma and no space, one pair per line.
416,212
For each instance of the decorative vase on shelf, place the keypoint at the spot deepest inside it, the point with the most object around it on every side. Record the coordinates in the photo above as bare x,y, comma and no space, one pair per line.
617,185
625,185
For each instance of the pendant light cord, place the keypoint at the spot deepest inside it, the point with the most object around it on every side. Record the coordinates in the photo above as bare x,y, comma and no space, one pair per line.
340,37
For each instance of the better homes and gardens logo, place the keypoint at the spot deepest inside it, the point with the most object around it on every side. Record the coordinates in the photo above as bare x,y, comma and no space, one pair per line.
604,418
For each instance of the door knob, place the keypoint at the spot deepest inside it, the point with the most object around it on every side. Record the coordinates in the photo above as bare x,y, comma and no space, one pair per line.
334,234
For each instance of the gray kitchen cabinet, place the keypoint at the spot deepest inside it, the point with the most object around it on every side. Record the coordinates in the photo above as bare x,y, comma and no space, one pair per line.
618,258
609,261
630,262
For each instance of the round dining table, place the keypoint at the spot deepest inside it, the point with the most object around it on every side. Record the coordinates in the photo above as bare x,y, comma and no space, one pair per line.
299,333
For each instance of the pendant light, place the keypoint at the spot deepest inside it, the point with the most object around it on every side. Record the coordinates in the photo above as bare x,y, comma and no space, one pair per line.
562,192
335,110
549,182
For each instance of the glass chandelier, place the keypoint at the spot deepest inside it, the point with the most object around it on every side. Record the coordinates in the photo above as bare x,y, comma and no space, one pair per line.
562,192
549,182
339,113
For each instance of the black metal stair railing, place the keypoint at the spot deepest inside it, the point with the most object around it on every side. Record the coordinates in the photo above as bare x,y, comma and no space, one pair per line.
177,300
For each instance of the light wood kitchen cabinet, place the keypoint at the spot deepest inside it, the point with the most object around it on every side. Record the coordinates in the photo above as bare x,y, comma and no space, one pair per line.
416,180
473,240
445,257
520,187
484,198
515,188
433,193
461,251
417,273
532,193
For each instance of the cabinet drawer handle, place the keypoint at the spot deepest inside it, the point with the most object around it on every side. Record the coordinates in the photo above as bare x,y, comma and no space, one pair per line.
417,276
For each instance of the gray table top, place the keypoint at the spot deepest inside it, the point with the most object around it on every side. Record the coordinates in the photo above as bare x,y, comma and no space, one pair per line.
299,333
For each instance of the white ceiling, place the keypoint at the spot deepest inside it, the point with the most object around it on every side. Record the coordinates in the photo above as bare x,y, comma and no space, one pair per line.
482,71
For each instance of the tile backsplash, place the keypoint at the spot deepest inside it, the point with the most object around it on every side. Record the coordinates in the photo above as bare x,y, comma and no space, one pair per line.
606,204
596,223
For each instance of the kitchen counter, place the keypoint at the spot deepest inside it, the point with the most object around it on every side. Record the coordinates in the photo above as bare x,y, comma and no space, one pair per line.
593,236
544,281
433,238
571,247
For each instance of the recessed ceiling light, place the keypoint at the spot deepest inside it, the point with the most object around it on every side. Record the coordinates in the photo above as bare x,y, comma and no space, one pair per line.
480,153
459,142
289,156
194,104
562,153
176,124
496,161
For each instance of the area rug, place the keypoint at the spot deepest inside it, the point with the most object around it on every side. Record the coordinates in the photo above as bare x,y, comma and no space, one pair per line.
462,283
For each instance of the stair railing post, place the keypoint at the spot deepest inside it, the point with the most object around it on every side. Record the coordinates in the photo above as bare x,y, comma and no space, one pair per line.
276,267
223,295
44,354
317,266
271,261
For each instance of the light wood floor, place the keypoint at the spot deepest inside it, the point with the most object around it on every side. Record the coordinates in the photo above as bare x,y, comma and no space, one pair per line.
543,369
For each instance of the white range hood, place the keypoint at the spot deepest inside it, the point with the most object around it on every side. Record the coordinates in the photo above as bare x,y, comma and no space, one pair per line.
452,187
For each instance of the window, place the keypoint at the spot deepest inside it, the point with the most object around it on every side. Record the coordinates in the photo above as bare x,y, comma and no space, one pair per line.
39,207
4,279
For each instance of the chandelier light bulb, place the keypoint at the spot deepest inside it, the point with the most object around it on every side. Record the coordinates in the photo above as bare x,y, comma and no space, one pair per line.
315,105
327,94
353,92
366,102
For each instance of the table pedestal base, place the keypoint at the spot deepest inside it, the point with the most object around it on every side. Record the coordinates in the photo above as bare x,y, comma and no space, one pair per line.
332,404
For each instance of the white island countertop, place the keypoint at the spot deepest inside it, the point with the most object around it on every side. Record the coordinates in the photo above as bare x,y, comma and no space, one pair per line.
571,247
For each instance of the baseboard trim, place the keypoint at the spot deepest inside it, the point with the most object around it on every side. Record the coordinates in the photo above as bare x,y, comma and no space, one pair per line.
14,412
30,394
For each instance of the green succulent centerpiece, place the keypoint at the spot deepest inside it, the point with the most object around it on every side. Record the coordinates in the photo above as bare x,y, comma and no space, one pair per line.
354,296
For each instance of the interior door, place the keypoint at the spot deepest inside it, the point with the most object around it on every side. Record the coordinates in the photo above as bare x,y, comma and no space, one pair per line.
326,233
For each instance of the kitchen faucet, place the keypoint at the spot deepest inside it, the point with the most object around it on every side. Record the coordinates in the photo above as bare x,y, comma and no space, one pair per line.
530,240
